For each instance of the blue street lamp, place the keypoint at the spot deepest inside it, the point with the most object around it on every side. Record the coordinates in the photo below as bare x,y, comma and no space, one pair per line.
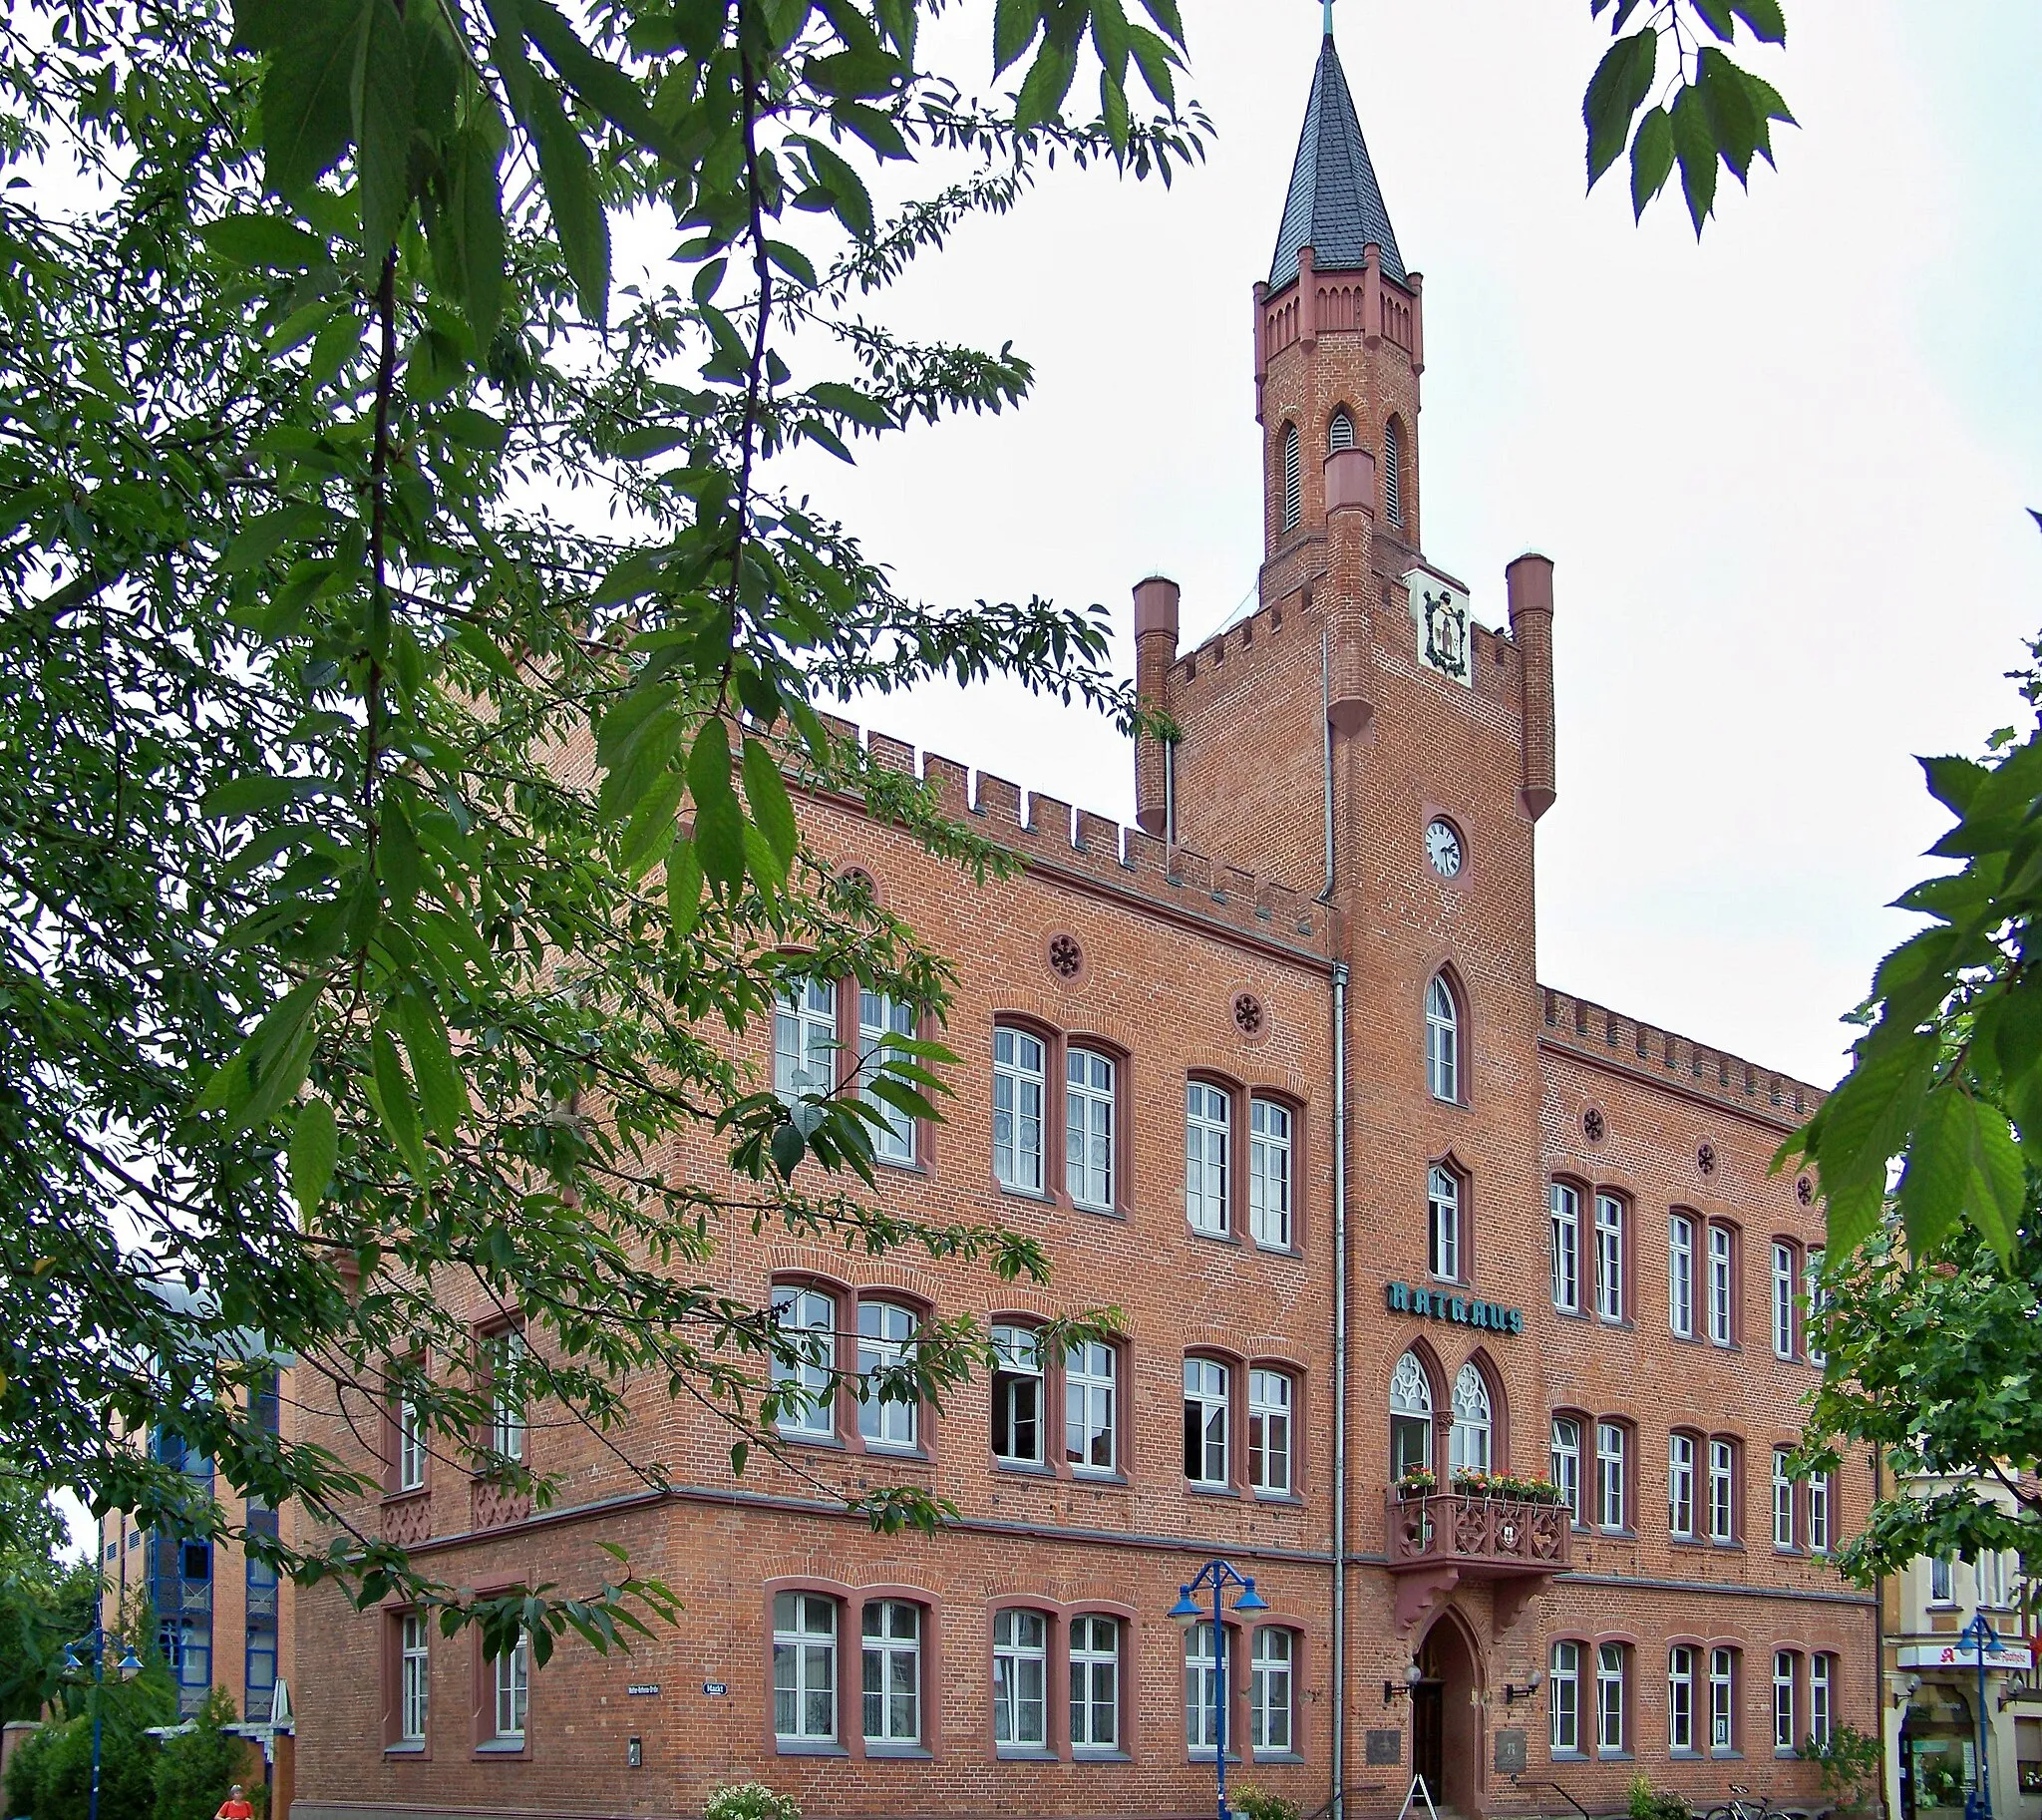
95,1643
1218,1575
1979,1637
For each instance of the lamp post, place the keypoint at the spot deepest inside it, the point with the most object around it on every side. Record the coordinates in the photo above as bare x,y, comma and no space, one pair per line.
1978,1635
95,1643
1218,1575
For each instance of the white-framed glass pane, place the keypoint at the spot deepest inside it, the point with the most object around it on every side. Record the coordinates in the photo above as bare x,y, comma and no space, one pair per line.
803,1667
1782,1499
1467,1443
1942,1581
1680,1275
1820,1686
1020,1678
1722,1699
805,1040
1017,1396
506,1396
1443,1224
1095,1683
413,1645
1680,1699
1819,1513
1786,1282
1722,1326
1018,1060
1609,1715
1410,1417
1442,1041
1610,1257
1566,1463
1202,1688
1783,1700
885,1344
1205,1401
1269,1174
411,1446
1566,1247
1563,1684
880,1017
1815,1300
807,1322
1610,1474
1090,1369
1087,1128
1207,1132
892,1673
1680,1484
513,1682
1269,1398
1269,1690
1722,1491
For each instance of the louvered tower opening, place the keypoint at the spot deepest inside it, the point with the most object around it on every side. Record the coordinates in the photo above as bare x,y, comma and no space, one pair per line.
1393,471
1294,479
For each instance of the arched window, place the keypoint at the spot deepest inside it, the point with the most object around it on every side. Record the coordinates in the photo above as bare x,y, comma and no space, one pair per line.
1442,1222
1442,1040
1410,1417
1393,471
1293,478
1467,1447
1340,431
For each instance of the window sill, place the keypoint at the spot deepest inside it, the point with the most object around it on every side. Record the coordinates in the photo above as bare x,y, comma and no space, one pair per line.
417,1749
407,1494
1221,1238
1081,1755
1038,1196
1275,1756
1196,1490
1618,1324
795,1437
1569,1313
1208,1754
501,1747
1104,1481
1616,1756
810,1747
1028,1469
1570,1756
907,1165
1282,1500
1024,1753
1279,1250
899,1753
901,1456
1726,1755
1099,1212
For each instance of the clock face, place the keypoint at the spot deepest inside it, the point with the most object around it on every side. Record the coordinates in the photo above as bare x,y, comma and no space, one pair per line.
1443,849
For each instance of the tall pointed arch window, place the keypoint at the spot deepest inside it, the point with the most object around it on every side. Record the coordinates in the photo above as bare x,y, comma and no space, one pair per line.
1442,1040
1293,478
1340,431
1410,1417
1467,1447
1393,471
1442,1222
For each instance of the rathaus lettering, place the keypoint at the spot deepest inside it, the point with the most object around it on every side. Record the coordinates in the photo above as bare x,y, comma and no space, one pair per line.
1409,1298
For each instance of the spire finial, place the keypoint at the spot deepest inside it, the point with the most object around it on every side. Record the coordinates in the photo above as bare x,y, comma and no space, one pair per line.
1328,9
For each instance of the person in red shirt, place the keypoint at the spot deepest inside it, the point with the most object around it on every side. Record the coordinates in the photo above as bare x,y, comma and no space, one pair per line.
236,1806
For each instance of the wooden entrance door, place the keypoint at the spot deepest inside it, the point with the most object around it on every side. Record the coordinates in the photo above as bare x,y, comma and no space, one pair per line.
1428,1752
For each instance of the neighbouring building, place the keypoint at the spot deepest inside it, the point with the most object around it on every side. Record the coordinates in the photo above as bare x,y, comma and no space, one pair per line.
1933,1683
1271,1070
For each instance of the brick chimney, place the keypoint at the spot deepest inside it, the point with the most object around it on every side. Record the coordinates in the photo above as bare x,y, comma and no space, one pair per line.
1529,583
1350,583
1155,623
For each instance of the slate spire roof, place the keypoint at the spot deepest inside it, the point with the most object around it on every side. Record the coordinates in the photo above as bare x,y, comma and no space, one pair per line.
1335,205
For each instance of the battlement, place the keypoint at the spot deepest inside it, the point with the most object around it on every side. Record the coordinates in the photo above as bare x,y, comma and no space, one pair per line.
1059,841
1577,1024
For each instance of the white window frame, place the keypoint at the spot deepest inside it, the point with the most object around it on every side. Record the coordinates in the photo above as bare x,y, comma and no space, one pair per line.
890,1652
1680,1699
1680,1275
879,1017
1563,1698
885,1343
1442,1041
1019,1087
1722,1287
1610,1257
1442,1222
803,1667
411,1445
1472,1438
1821,1676
1783,1498
1021,1679
1272,1716
1722,1491
1785,1284
1611,1491
1017,1369
813,1315
1814,1304
1091,1080
1821,1492
1269,1174
414,1676
1202,1668
1208,1142
1564,1200
1783,1700
1095,1683
506,1400
1209,1396
1609,1700
511,1681
1272,1394
1680,1485
1721,1701
1410,1403
805,1040
1567,1463
1091,1409
1942,1581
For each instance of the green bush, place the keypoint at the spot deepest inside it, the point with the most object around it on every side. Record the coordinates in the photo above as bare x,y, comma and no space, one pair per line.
193,1772
50,1778
750,1801
1258,1804
1648,1804
1851,1764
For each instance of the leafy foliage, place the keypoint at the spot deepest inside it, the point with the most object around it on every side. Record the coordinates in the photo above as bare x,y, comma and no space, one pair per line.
49,1776
1711,111
44,1603
194,1770
750,1801
1258,1803
1850,1762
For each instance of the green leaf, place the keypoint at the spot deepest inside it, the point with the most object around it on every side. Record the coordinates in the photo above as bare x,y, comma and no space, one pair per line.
308,95
1735,123
264,243
1768,22
719,822
1962,1163
1015,23
1043,89
1652,157
260,538
1716,15
684,888
1694,145
314,1148
608,90
766,792
476,221
251,794
787,1146
568,174
1954,781
1616,91
442,1091
854,202
397,854
651,828
392,1103
383,116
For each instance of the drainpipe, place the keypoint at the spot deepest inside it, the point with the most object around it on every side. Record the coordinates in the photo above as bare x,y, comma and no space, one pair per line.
1326,730
1170,791
1339,1383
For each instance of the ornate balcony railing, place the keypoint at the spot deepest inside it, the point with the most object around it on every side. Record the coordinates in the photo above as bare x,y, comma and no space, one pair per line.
1440,1539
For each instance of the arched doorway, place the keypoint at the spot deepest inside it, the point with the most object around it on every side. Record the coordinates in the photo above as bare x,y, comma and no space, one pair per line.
1938,1752
1446,1714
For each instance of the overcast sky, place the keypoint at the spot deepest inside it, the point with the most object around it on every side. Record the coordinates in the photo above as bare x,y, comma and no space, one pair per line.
1782,473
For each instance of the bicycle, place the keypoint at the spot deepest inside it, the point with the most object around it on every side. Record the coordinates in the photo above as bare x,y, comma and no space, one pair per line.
1743,1805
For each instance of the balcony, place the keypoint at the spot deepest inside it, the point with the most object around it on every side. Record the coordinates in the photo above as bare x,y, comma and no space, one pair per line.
1437,1542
